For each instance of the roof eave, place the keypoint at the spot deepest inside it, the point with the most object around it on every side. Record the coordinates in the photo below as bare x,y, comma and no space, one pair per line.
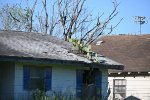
107,66
57,61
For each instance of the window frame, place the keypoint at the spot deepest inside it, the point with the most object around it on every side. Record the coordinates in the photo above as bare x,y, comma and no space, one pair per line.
123,92
46,77
37,77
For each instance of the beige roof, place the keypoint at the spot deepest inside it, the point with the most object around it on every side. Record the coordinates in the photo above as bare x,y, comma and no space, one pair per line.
133,51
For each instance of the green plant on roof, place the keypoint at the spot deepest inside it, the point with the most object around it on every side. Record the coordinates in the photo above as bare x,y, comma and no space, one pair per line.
84,49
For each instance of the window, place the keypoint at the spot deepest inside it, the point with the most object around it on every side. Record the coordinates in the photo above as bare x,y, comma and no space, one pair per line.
119,89
35,77
88,83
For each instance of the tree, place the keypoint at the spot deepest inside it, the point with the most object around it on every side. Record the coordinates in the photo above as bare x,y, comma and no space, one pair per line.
68,15
10,17
75,20
14,17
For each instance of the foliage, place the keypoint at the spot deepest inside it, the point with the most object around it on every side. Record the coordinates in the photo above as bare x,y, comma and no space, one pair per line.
41,95
63,96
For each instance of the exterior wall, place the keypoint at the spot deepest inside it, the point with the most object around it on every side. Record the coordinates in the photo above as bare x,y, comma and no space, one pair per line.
64,79
138,87
19,93
104,82
6,81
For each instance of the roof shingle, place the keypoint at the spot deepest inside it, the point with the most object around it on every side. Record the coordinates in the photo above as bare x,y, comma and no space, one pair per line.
133,51
34,46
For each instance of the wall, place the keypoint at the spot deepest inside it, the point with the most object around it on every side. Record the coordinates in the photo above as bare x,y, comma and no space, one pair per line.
6,80
18,84
138,86
104,82
64,79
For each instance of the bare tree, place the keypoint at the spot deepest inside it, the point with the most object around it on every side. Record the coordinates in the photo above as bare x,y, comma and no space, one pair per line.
69,12
47,20
46,14
53,22
16,17
69,15
10,17
75,19
30,16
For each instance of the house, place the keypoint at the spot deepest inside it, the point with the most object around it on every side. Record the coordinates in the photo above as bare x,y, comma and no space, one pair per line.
30,61
133,51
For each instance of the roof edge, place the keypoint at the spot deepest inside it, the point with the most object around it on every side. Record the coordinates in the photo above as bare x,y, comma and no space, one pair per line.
56,61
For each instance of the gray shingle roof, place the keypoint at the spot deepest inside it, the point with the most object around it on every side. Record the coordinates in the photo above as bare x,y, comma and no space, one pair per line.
35,45
14,43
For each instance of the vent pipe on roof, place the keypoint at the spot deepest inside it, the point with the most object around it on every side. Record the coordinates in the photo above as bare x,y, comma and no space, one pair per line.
99,42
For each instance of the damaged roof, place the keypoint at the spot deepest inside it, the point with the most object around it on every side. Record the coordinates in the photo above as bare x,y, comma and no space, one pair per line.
133,51
37,47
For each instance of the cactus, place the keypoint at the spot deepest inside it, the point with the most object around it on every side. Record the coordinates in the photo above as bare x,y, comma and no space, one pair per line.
84,49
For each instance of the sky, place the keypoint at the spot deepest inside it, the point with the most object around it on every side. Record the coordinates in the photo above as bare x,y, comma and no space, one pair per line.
127,10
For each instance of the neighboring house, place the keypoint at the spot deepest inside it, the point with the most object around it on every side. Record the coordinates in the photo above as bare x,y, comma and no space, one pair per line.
30,61
133,52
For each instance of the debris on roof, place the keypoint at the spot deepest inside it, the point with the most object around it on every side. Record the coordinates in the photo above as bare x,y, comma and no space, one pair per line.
35,45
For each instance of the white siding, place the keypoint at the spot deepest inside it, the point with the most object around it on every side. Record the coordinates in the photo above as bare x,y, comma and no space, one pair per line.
110,80
64,79
19,93
138,86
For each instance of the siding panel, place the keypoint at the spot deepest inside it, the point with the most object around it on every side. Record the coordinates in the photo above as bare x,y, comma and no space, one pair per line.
138,86
63,79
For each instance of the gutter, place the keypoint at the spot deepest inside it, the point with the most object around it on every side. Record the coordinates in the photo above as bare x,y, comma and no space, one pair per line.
57,61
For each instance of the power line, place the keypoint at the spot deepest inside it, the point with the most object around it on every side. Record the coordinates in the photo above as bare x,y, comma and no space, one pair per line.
140,20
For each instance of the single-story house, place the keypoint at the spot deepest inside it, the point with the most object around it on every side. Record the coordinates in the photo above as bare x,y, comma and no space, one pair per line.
133,51
30,61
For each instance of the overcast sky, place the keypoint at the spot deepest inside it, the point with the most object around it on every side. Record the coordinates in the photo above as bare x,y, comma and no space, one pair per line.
127,10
